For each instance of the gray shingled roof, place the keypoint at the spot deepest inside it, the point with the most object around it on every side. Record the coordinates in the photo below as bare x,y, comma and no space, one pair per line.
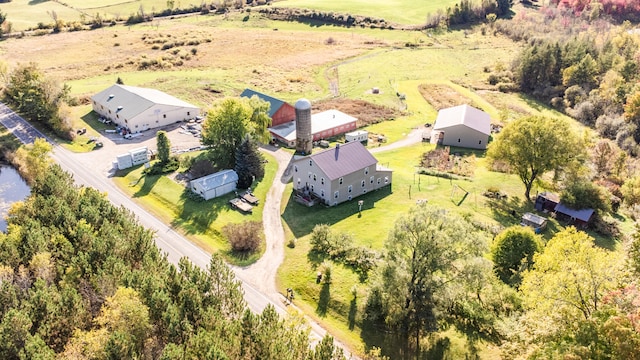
129,101
343,160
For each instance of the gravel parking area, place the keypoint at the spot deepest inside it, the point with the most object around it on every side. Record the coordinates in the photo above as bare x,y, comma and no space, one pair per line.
101,159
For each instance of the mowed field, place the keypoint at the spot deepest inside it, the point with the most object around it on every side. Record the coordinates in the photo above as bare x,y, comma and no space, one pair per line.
397,11
26,14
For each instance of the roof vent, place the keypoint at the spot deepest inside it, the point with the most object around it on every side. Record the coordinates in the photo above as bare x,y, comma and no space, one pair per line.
119,108
111,96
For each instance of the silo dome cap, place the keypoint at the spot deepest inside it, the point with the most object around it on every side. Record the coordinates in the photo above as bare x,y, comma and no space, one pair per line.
303,104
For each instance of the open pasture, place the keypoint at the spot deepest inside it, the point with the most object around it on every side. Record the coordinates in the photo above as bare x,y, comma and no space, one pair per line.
397,11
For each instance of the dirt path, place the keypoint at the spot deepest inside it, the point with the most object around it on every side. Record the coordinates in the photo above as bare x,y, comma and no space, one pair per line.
414,137
262,274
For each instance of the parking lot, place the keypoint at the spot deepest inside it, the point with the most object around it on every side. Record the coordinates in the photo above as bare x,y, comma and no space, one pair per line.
114,144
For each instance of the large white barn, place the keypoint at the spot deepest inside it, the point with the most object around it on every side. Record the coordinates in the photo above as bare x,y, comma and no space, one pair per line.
463,126
139,109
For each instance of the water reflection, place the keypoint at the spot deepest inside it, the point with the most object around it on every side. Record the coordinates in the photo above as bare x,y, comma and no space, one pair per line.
12,189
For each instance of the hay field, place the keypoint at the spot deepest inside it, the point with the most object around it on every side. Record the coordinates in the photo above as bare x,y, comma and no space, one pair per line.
397,11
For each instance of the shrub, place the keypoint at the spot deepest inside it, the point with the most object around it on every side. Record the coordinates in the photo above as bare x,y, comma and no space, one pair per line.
244,237
158,168
512,253
609,125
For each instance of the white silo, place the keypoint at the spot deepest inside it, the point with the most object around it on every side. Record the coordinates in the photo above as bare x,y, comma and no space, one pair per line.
304,137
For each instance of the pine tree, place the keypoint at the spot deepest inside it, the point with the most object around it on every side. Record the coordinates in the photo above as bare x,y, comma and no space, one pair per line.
164,147
249,163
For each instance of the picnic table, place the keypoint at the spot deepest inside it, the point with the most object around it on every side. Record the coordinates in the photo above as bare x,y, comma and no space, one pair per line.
250,198
241,205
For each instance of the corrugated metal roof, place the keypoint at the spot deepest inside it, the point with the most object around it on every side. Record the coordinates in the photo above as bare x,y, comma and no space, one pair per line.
582,214
275,104
216,180
319,122
129,101
463,115
534,219
342,160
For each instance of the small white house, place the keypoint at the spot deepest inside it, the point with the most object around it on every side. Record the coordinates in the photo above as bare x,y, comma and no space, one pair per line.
214,185
139,109
360,135
132,158
463,126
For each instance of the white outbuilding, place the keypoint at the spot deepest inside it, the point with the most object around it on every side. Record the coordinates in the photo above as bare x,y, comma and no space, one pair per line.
463,126
214,185
132,158
139,109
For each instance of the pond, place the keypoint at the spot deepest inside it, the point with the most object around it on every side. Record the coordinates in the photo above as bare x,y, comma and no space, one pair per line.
12,189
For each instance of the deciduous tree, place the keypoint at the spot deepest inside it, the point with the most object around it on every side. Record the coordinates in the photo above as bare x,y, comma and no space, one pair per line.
512,253
226,126
534,145
431,258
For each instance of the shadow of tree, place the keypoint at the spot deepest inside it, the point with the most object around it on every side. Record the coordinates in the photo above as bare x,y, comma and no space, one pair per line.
149,181
509,211
302,219
323,301
353,311
197,215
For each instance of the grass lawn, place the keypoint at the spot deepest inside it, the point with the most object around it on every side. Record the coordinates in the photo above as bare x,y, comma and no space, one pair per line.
200,221
398,11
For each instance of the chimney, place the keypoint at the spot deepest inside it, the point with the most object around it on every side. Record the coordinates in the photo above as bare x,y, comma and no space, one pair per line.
337,151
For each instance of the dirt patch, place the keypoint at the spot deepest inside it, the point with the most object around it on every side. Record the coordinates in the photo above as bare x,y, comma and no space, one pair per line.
443,96
366,112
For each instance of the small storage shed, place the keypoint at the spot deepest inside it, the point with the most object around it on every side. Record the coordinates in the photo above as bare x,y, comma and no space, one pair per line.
214,185
139,155
579,218
359,135
547,201
538,223
124,161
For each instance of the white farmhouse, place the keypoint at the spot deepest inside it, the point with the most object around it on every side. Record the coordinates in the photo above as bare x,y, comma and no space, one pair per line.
463,126
139,109
214,185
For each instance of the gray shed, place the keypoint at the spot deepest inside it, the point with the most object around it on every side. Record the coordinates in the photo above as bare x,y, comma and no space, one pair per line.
214,185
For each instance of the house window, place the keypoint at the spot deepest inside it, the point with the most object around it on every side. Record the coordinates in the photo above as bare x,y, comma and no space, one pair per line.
371,180
136,125
458,139
309,174
349,198
378,181
362,183
340,181
295,168
386,179
350,188
336,194
310,162
311,188
298,181
157,121
109,111
188,113
322,181
366,171
314,177
364,191
322,194
118,116
479,142
164,116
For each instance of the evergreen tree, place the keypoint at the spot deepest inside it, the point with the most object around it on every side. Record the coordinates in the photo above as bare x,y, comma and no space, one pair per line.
249,163
164,147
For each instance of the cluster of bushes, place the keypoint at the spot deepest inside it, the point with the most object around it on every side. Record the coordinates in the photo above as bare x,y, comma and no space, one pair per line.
245,237
159,168
303,15
340,248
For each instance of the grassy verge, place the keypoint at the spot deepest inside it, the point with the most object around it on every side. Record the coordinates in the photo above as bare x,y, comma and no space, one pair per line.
200,221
